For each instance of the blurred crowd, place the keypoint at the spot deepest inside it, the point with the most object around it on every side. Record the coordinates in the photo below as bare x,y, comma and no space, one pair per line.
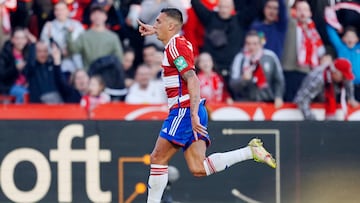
90,51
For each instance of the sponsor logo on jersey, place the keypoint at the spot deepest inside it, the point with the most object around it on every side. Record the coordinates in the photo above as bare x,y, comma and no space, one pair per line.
180,63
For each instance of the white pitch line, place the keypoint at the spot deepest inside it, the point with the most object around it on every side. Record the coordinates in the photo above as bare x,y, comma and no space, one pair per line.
241,196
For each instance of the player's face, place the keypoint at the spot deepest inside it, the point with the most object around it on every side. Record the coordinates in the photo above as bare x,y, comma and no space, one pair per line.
161,26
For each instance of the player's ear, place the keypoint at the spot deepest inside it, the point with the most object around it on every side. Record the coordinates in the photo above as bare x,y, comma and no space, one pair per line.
171,26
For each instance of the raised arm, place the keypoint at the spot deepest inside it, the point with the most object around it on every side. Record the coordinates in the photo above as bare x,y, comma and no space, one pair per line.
334,38
201,11
283,16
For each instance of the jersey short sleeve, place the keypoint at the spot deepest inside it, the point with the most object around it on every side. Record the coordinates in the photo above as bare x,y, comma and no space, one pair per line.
181,54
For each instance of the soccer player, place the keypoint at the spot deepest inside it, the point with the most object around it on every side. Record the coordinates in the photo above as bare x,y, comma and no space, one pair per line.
186,125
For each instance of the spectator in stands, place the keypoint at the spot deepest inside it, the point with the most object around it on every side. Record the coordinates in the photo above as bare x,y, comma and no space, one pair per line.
150,10
156,68
96,94
128,65
5,26
112,22
193,23
348,46
96,42
152,57
317,9
112,72
43,73
145,90
273,25
42,11
329,79
56,30
149,52
212,85
256,73
77,8
224,31
303,49
13,58
128,12
78,87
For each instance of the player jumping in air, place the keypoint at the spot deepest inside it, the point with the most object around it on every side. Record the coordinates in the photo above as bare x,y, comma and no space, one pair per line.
186,125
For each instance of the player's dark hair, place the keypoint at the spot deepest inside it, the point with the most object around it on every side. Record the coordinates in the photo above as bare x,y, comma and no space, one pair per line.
173,13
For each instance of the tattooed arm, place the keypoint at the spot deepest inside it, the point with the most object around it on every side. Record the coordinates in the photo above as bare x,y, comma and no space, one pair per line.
194,92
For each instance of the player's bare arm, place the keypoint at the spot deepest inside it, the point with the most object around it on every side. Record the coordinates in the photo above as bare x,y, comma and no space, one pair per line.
145,29
194,92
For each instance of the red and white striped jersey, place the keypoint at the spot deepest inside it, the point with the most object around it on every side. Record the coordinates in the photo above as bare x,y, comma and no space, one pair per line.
178,58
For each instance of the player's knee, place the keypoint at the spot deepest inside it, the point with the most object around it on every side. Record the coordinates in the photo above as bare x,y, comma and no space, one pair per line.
153,158
156,159
197,170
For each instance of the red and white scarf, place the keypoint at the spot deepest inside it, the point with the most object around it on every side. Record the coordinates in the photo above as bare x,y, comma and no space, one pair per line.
5,8
330,96
309,45
252,63
330,13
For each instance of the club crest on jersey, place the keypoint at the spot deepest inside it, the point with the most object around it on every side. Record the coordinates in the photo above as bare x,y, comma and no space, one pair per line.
180,63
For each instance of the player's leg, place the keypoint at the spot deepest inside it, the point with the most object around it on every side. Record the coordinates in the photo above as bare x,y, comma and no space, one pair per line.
201,166
159,159
195,156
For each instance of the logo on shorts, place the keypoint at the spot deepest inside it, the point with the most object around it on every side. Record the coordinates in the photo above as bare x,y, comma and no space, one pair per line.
164,130
180,63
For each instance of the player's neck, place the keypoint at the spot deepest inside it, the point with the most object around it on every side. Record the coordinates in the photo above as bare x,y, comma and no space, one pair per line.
168,38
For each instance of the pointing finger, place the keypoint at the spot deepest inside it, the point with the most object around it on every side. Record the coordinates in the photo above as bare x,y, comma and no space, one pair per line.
140,23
